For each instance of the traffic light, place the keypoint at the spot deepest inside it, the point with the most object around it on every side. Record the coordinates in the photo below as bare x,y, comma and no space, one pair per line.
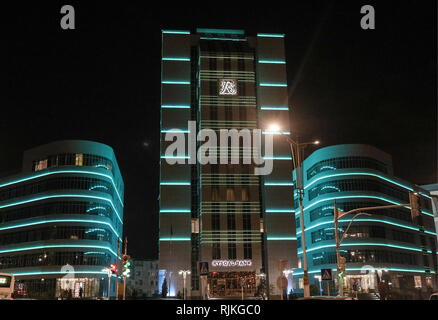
113,268
126,265
414,201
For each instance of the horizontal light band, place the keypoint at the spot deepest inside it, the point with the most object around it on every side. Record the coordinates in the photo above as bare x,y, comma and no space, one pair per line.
367,220
274,108
28,224
175,239
265,84
364,244
270,35
175,183
365,197
176,31
175,59
53,172
175,82
272,61
57,246
280,211
69,195
175,210
182,106
359,174
281,238
279,184
175,131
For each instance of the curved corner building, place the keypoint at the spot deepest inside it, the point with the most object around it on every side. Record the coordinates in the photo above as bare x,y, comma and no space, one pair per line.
388,246
61,219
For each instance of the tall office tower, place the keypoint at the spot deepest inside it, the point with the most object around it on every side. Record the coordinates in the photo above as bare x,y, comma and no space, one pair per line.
238,224
61,219
389,248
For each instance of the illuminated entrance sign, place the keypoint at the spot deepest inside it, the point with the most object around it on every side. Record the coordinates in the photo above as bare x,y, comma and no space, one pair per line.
228,87
231,263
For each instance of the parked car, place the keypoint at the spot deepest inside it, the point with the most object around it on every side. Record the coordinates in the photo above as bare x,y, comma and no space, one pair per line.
333,298
434,296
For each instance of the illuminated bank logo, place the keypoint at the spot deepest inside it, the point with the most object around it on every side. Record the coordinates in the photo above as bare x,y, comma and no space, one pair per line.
228,87
231,263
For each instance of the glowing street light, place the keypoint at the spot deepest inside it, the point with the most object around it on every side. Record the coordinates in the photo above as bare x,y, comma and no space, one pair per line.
184,273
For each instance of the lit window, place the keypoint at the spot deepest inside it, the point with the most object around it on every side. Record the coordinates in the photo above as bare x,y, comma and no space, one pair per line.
79,159
195,225
40,165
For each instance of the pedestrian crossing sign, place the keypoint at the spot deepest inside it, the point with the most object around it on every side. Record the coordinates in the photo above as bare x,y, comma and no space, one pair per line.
326,274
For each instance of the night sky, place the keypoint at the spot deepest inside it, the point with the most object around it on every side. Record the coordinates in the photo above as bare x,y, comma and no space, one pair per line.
101,82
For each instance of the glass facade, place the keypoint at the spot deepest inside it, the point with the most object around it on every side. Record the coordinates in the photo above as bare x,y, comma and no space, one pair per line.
357,176
64,216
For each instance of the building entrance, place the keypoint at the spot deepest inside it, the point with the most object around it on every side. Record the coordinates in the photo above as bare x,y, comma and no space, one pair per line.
231,284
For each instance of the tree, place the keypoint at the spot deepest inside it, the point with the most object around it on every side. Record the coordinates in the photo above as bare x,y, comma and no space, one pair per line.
164,289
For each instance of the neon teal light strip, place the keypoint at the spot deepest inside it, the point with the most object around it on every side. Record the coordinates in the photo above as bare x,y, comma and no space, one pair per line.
359,174
166,106
274,108
176,31
175,59
220,31
270,35
365,197
272,61
52,172
28,224
175,82
265,84
175,210
175,183
364,244
175,239
282,184
62,196
280,211
281,238
58,246
367,220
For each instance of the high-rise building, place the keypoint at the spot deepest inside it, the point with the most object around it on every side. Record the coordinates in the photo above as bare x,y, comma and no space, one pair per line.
240,223
390,247
61,219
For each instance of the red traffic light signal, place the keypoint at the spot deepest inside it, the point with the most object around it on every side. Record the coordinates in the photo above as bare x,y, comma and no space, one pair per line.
113,268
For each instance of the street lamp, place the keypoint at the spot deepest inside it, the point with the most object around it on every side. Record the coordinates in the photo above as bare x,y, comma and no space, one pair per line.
297,151
184,273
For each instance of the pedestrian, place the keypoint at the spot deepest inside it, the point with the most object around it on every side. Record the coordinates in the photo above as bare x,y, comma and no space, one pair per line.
81,291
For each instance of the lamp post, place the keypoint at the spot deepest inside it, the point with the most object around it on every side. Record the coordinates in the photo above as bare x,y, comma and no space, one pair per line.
184,273
297,150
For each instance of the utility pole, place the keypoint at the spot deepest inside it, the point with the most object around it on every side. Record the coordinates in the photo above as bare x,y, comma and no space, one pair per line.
338,214
296,149
124,278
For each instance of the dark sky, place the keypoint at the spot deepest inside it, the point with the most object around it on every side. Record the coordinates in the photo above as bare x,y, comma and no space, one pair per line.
101,82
